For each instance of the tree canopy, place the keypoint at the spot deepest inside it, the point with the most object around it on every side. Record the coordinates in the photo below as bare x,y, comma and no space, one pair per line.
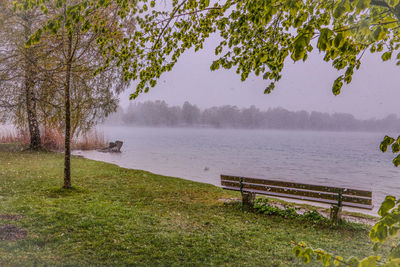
48,55
257,36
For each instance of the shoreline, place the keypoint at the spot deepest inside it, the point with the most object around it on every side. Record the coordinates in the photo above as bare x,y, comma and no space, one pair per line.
352,214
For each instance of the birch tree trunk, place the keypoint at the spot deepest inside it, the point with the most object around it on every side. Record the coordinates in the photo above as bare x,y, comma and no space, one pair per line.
29,84
67,96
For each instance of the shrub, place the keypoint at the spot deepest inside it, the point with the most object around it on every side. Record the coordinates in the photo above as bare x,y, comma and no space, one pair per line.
262,205
314,216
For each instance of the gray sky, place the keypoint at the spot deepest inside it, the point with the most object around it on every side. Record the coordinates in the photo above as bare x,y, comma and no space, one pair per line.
374,91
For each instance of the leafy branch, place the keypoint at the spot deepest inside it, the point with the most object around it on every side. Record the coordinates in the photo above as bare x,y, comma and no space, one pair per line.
394,145
388,226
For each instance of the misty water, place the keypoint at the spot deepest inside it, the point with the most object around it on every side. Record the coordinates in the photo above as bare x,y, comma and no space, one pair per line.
349,159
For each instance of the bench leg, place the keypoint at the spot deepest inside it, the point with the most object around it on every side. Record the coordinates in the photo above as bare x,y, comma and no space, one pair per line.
336,214
248,199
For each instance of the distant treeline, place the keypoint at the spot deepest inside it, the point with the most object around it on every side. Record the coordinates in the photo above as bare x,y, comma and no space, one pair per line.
159,113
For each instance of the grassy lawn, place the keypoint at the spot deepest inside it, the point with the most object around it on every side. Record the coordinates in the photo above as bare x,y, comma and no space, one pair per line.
116,216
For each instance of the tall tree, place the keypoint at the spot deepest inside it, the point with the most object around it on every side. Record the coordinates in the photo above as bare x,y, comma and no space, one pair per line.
74,83
18,69
85,96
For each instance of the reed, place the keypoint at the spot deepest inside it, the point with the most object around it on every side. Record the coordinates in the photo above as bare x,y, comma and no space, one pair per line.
53,139
91,140
8,136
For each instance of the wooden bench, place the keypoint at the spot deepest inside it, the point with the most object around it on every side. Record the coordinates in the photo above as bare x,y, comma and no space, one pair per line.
336,196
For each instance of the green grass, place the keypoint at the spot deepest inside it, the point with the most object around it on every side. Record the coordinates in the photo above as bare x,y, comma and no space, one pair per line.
116,216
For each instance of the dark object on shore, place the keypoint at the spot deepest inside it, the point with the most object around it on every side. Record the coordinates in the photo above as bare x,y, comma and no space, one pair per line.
112,147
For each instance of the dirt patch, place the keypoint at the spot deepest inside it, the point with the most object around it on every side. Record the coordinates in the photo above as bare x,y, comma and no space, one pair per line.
11,232
13,217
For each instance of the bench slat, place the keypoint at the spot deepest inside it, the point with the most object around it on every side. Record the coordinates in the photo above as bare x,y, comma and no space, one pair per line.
347,191
299,192
327,201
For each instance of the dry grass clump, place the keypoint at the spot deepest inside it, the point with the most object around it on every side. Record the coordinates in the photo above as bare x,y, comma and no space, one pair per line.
53,139
14,136
91,140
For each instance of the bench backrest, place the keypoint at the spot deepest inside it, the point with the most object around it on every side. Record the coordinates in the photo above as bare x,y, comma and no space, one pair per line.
318,193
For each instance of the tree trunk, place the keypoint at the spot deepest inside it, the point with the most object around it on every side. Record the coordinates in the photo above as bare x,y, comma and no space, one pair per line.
33,125
67,153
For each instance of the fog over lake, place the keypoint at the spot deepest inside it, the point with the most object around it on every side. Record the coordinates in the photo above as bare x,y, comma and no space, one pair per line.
349,159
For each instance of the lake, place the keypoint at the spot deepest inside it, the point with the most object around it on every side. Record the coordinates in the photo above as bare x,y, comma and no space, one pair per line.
328,158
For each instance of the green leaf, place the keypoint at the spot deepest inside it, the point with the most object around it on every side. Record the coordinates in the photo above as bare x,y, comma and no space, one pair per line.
153,83
369,261
396,161
393,3
337,85
378,34
395,147
394,262
342,7
338,260
323,40
269,89
387,55
215,65
387,205
327,259
306,258
387,141
297,250
339,40
393,230
381,232
300,45
362,4
353,261
237,51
